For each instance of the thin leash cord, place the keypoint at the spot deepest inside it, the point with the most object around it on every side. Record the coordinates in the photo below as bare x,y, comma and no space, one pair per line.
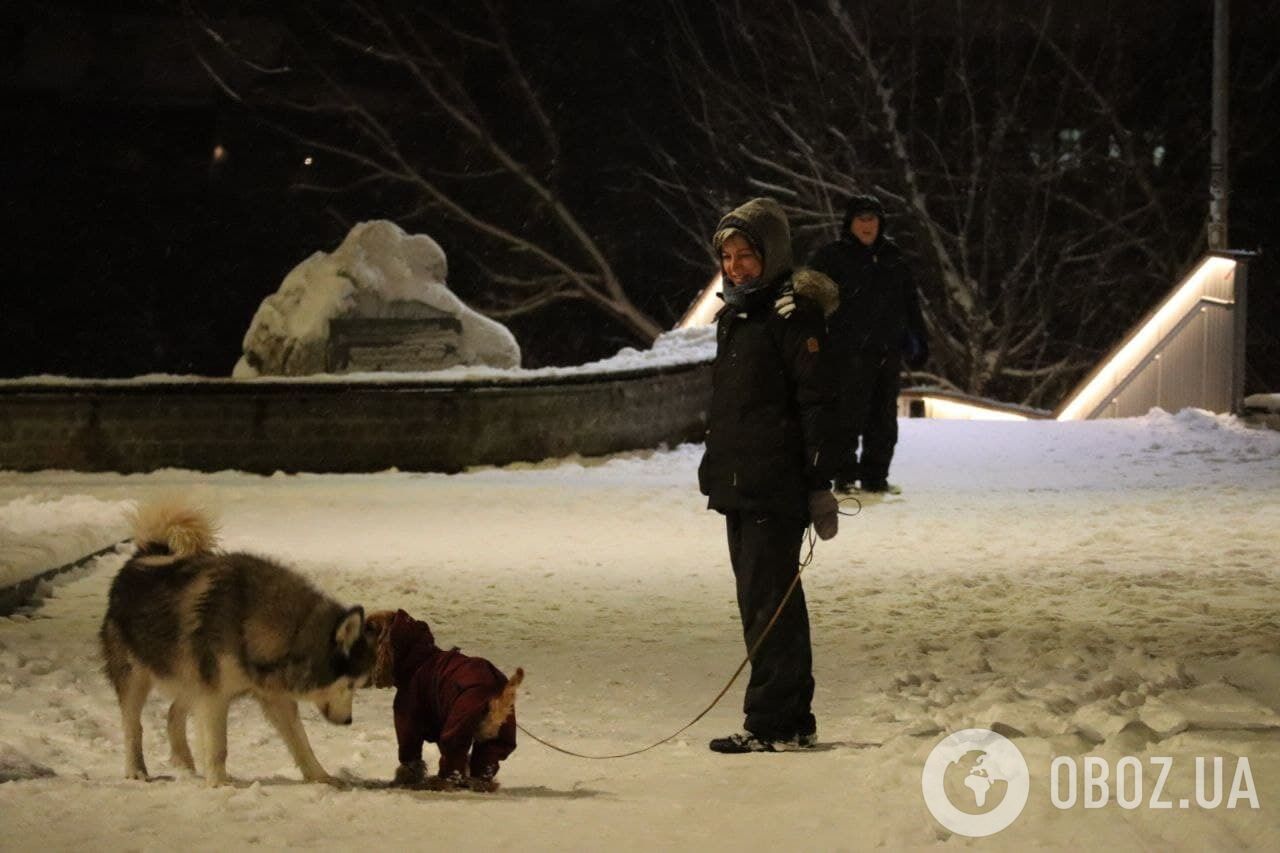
804,563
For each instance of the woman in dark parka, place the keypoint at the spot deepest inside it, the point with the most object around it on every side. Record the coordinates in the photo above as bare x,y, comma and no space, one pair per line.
769,459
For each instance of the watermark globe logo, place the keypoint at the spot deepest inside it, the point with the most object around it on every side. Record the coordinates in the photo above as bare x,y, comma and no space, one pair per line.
975,782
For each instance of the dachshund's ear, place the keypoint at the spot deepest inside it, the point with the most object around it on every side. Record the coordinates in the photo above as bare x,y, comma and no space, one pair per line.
382,615
384,666
378,622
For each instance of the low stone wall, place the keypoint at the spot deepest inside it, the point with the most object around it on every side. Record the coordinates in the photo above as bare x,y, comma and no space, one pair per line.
268,426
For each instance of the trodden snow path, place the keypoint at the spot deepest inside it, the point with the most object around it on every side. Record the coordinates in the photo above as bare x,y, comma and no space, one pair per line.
1104,587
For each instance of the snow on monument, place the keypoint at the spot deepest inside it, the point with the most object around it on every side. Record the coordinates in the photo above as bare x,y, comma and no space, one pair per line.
379,302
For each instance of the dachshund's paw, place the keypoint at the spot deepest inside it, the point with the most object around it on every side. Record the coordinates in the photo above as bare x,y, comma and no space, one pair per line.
452,782
410,775
483,784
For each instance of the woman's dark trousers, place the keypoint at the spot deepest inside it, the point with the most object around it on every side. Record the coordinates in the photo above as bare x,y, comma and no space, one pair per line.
765,553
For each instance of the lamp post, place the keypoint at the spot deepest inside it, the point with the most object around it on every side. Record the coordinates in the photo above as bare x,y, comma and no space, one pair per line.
1219,185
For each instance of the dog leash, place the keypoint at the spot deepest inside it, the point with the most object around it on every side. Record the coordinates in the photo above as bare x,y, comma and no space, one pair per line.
804,563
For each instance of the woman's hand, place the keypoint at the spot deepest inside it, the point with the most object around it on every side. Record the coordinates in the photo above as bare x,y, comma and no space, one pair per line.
824,512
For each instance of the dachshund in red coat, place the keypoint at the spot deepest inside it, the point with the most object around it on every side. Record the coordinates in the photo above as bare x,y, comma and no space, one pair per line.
462,704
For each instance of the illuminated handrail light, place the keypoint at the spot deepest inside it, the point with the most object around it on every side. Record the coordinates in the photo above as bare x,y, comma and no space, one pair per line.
939,407
1117,367
704,309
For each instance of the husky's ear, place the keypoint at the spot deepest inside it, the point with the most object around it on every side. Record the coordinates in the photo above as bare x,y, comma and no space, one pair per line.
349,629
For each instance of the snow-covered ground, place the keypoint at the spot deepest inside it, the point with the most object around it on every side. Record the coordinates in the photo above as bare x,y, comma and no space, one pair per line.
37,535
1103,586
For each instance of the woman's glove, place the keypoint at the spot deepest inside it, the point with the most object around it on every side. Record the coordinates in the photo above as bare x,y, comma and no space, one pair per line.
824,512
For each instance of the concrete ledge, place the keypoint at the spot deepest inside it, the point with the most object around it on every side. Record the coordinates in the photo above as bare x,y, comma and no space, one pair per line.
1269,420
338,426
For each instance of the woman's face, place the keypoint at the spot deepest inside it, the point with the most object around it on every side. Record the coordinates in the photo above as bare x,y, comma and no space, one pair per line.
738,261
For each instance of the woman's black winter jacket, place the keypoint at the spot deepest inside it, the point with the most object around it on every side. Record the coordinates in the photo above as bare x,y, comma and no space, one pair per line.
769,428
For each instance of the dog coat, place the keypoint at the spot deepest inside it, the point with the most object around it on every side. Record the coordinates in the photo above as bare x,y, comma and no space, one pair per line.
441,697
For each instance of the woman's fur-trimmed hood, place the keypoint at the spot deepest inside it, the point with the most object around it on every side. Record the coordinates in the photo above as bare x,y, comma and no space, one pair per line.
818,288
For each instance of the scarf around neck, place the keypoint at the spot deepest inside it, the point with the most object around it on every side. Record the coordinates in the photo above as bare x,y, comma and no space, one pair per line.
744,297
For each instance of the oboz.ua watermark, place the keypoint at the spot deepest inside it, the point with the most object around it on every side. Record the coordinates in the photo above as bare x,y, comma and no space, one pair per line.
1093,782
976,782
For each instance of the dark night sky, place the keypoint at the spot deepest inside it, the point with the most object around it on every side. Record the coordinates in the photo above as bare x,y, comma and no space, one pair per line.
148,254
131,252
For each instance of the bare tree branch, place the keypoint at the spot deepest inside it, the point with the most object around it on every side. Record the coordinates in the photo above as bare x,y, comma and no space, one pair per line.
550,256
1026,229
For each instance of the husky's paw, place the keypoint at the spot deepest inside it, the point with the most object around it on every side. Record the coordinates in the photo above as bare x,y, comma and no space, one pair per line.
186,765
483,784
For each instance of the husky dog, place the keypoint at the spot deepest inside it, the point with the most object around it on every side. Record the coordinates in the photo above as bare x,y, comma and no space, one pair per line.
462,704
206,627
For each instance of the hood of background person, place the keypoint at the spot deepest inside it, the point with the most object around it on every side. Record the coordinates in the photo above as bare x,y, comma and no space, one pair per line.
764,224
862,204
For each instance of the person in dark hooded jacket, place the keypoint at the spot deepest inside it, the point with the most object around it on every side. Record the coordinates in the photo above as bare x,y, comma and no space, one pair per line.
768,459
877,326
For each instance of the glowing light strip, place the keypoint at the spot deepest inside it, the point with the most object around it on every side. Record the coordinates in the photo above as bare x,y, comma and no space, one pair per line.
937,407
1117,367
704,310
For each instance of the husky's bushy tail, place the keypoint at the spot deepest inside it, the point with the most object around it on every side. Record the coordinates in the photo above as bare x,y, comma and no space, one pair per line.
170,530
500,707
